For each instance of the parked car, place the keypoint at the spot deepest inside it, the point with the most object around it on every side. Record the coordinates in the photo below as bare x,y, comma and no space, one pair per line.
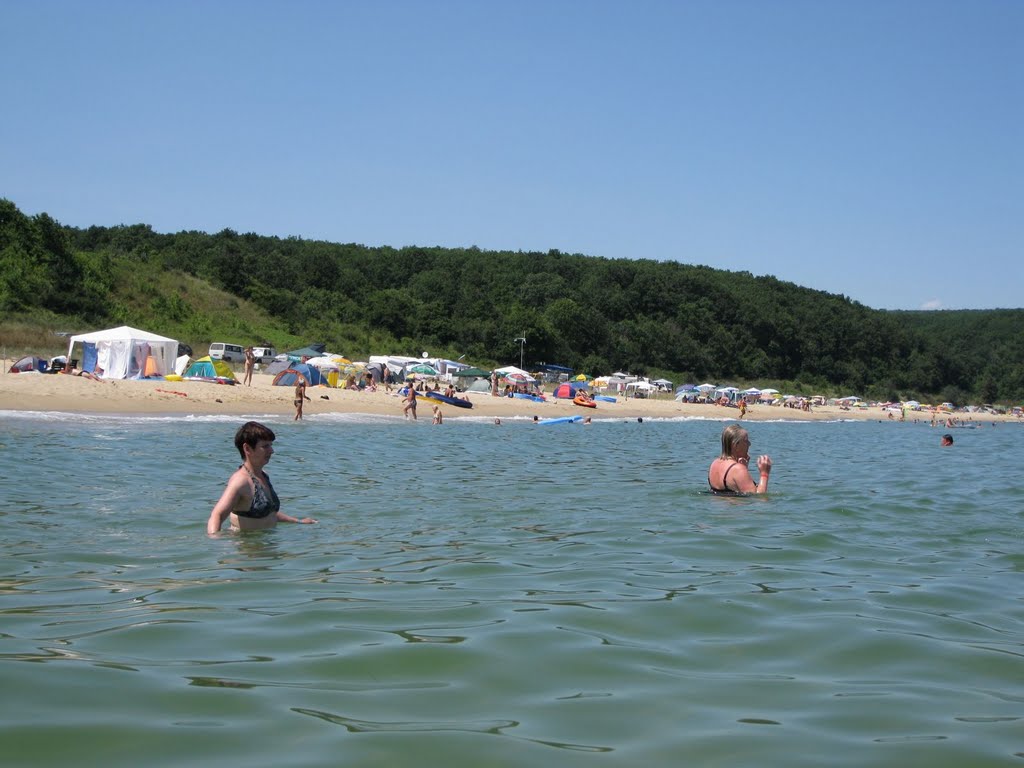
231,353
264,355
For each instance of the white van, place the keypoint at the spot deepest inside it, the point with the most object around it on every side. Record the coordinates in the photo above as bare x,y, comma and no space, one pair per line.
264,355
231,353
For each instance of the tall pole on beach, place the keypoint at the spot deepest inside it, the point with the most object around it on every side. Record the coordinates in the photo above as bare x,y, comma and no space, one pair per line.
522,349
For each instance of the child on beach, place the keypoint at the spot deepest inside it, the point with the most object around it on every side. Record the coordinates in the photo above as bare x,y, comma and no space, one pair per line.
438,416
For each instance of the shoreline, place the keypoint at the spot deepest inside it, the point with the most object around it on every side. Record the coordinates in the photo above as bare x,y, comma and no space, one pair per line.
58,393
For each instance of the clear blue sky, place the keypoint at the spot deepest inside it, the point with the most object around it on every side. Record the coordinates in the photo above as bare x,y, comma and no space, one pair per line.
869,148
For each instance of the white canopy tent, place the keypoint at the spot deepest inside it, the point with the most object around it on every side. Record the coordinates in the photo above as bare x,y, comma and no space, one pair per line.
511,370
613,383
640,389
125,352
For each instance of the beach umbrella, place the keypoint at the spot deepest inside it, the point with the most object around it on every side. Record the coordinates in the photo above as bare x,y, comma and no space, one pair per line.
581,377
705,387
519,378
323,363
424,369
510,369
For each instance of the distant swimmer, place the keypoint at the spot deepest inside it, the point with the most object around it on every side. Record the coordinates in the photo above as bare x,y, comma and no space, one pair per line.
947,440
729,473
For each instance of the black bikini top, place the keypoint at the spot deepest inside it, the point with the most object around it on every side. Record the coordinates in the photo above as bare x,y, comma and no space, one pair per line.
725,489
262,503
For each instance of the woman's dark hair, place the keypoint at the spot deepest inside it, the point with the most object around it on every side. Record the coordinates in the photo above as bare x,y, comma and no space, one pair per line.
249,434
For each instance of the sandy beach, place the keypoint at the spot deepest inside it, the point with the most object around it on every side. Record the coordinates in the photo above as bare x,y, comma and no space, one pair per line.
74,394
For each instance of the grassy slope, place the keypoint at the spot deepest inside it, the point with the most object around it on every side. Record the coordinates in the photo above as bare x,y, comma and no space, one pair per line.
172,304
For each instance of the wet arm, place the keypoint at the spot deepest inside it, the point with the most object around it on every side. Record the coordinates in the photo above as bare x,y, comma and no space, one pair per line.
224,507
745,482
283,518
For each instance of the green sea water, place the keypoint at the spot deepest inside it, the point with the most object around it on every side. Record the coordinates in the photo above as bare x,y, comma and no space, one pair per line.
514,595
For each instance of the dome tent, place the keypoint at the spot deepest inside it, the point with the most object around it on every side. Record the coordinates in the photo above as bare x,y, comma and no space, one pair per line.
567,389
208,368
290,376
29,363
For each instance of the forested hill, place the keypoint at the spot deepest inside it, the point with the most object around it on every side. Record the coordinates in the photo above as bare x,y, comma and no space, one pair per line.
592,314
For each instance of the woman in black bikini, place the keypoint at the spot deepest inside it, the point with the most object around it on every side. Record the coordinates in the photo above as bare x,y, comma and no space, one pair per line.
249,498
728,473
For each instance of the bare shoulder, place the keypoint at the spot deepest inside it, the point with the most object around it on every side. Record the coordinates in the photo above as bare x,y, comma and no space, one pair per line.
239,479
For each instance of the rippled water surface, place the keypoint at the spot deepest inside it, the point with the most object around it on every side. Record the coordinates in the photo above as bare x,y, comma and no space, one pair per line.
514,595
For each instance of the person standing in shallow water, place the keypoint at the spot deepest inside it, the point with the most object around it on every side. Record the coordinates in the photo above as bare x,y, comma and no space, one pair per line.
729,473
249,499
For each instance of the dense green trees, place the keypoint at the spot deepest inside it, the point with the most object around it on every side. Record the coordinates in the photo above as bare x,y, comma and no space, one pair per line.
592,314
40,268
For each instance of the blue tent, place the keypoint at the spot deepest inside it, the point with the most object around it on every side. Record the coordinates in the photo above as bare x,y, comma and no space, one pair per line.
290,376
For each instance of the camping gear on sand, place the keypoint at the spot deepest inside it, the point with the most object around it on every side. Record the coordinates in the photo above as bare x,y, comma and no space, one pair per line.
125,352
